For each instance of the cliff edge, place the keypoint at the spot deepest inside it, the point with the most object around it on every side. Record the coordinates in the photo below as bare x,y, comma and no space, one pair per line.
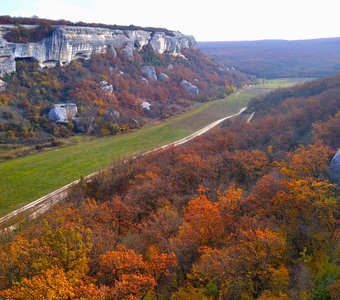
72,42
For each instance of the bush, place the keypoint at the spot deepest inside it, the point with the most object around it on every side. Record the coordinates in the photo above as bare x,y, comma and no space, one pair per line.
21,34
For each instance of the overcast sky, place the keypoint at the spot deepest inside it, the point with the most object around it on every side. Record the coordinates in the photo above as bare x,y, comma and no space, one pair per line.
207,20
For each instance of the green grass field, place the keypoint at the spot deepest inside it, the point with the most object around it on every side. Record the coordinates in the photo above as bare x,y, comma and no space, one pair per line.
281,82
25,179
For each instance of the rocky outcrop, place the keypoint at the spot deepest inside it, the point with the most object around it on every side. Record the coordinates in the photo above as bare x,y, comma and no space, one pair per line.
128,50
3,86
144,80
139,38
7,62
146,105
71,42
192,89
160,42
105,86
149,72
62,113
163,77
335,168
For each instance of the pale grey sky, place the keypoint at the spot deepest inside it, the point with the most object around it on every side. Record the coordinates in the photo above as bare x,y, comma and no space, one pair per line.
213,20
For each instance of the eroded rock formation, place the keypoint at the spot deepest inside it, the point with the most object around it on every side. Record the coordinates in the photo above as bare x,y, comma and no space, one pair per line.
105,86
71,42
3,86
192,89
63,112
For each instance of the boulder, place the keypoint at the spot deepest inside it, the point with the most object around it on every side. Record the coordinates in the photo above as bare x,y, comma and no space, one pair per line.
149,72
105,86
116,114
335,168
58,114
144,80
192,89
146,105
180,55
63,112
163,77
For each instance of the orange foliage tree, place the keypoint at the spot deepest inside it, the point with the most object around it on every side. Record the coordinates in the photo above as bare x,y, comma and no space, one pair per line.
129,275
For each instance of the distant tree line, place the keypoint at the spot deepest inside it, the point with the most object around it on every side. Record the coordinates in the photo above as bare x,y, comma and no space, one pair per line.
21,34
38,21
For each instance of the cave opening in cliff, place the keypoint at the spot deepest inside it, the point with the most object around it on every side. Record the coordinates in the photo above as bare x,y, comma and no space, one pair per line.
4,58
49,63
83,55
26,59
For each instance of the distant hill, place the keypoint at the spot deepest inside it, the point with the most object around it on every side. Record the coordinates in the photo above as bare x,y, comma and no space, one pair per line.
278,58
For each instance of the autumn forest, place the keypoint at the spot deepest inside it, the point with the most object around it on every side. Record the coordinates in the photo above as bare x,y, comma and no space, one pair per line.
248,211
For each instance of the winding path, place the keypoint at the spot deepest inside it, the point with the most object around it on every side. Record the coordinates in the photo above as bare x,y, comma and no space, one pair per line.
39,206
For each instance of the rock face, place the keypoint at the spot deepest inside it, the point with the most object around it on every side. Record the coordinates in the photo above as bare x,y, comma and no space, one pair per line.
3,86
139,38
63,112
149,72
160,42
335,168
192,89
71,42
7,62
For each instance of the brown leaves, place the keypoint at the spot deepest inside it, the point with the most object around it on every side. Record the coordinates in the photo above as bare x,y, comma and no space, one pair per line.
245,266
328,132
129,275
308,161
53,284
202,222
116,263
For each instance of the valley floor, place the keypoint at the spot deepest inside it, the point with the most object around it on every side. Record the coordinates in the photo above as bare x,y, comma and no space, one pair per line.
25,179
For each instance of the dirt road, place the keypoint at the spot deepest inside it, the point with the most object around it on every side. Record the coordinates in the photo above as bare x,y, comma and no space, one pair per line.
39,206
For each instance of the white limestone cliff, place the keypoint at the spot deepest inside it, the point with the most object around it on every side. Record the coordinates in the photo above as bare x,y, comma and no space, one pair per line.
160,42
71,42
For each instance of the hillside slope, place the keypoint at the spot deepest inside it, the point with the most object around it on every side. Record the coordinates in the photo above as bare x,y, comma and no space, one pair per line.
118,77
278,58
247,212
